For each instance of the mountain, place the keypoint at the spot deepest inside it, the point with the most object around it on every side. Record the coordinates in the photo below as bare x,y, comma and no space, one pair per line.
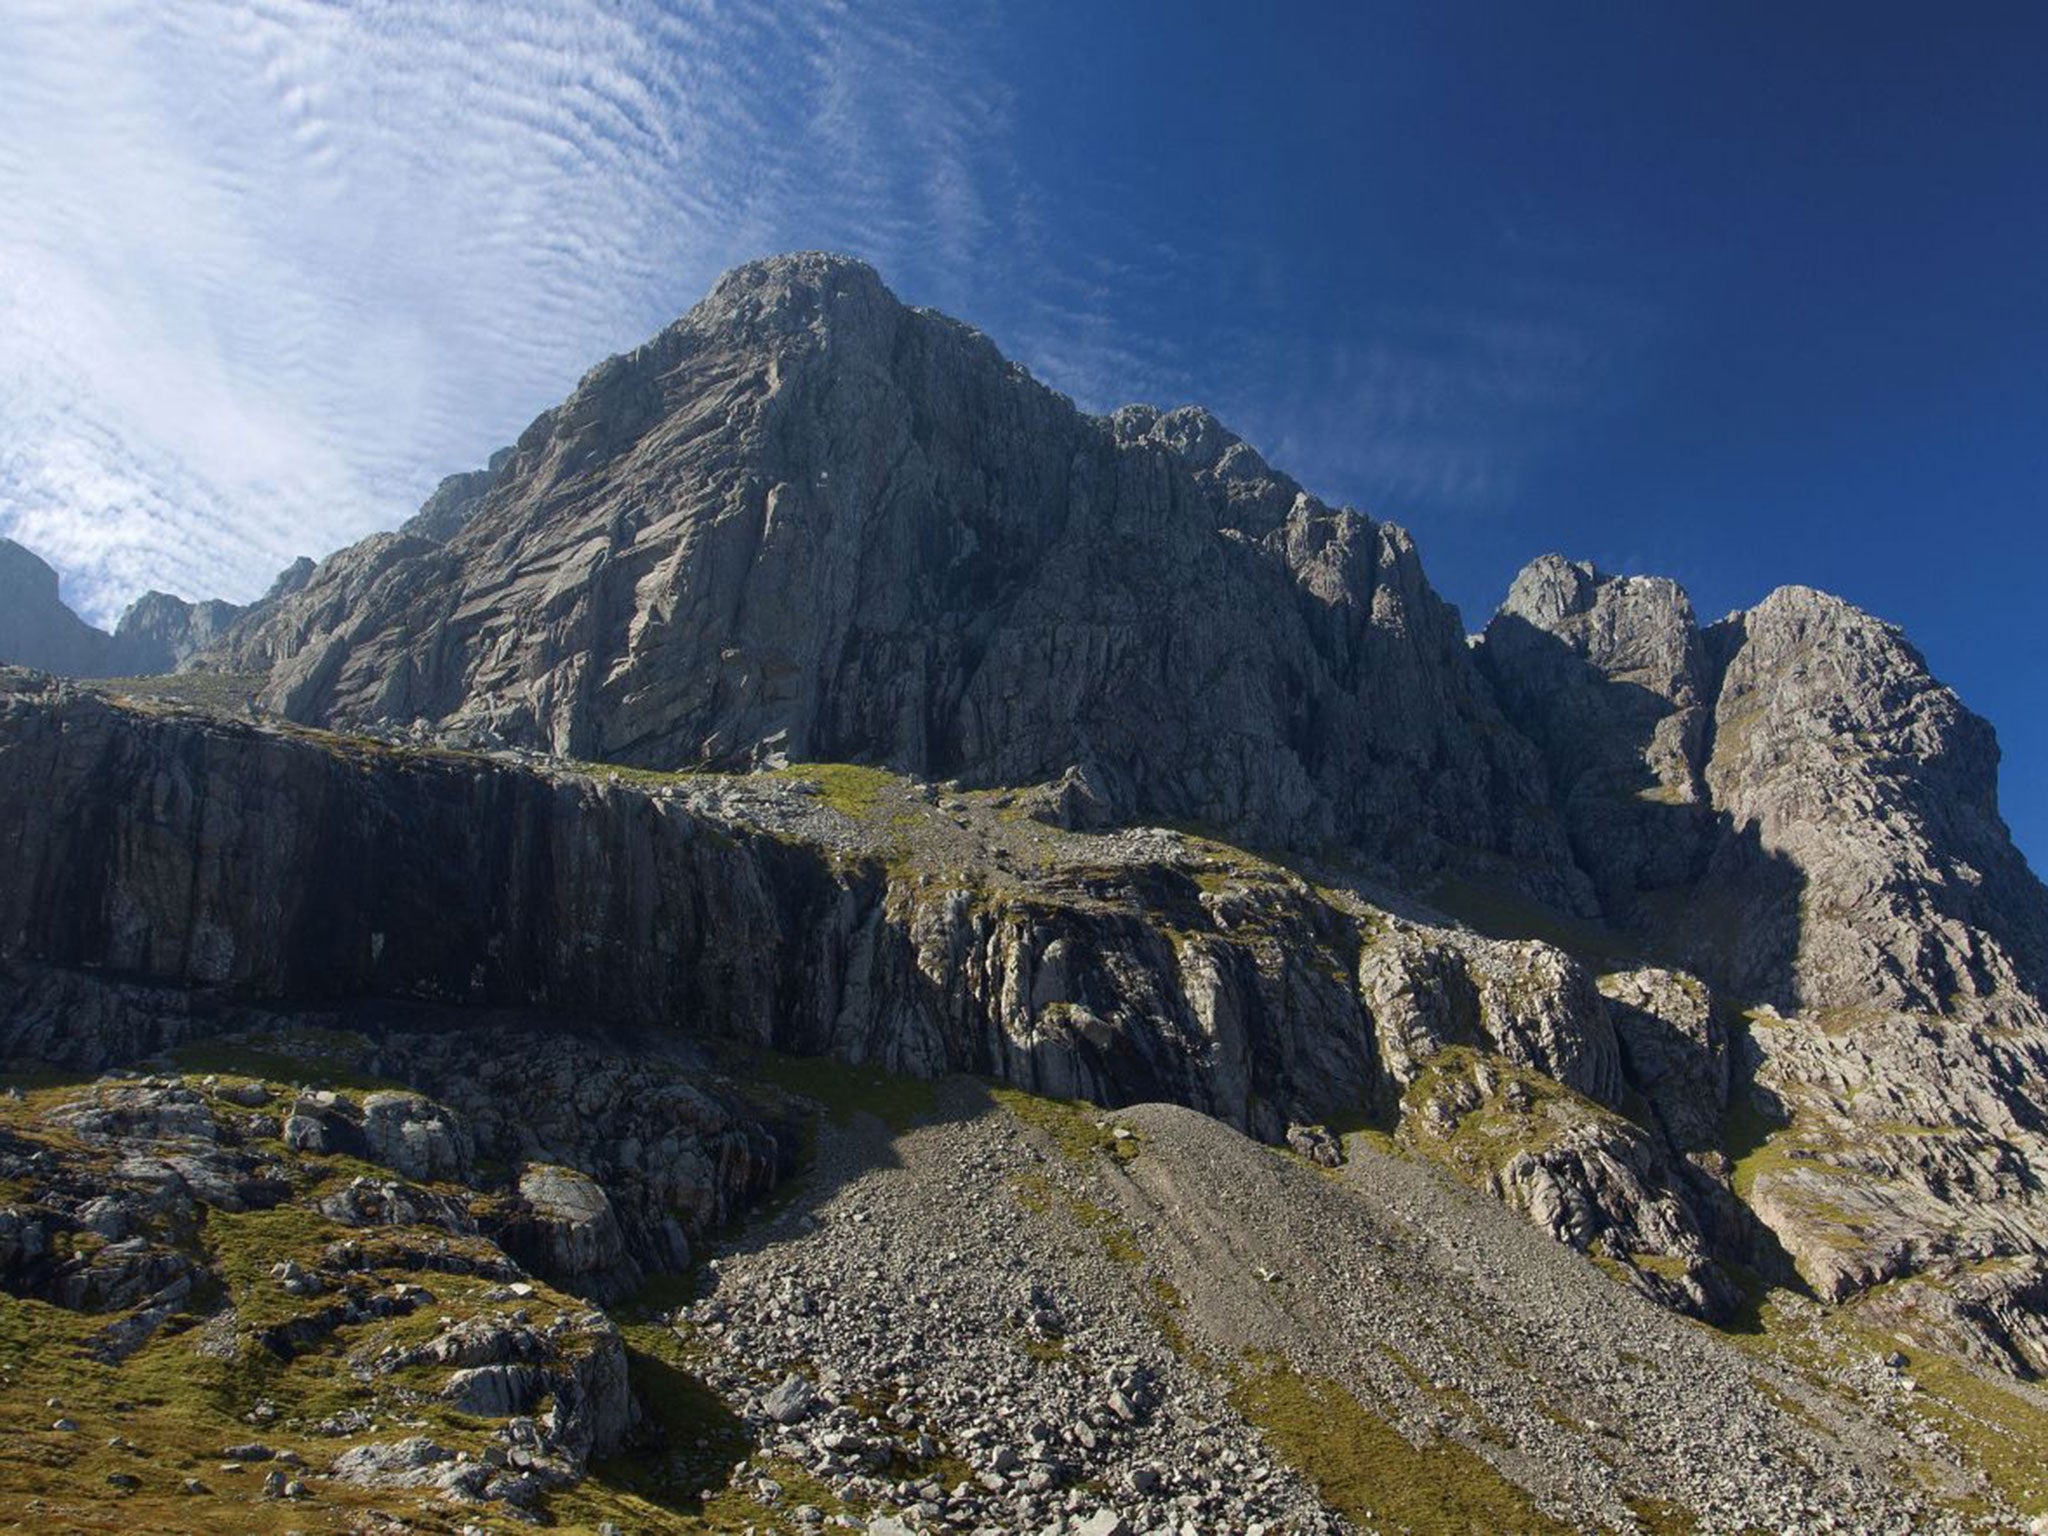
1125,1016
36,629
157,633
809,523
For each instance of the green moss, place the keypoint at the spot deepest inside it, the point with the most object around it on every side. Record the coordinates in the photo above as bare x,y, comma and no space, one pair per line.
1073,1125
852,789
280,1064
1995,1428
1037,1192
1369,1472
843,1091
1448,1397
1746,1133
1485,1133
1659,1517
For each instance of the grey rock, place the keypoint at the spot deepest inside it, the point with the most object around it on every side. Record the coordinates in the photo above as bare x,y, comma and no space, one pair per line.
810,523
569,1231
791,1402
36,629
495,1391
453,502
1315,1143
415,1137
1837,857
1609,676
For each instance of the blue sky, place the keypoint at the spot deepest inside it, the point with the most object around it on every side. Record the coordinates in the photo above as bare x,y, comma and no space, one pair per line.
1742,294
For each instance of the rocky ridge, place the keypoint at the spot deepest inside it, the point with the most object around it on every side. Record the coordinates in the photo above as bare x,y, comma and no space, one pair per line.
1700,949
809,523
157,633
1791,805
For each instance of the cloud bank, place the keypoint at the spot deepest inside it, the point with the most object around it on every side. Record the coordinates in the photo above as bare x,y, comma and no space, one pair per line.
271,268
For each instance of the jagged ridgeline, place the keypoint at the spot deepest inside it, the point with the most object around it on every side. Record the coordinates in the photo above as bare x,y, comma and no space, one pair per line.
813,686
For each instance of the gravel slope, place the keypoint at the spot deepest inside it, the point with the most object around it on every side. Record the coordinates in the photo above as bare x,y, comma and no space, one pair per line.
1074,1313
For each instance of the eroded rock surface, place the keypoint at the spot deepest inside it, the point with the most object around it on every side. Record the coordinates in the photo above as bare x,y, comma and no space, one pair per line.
806,522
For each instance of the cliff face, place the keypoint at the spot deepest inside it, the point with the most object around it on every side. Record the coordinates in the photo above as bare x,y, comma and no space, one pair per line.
865,917
36,629
807,523
1790,804
1780,1007
1788,798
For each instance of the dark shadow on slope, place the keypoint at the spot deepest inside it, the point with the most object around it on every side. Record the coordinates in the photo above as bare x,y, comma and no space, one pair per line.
1676,878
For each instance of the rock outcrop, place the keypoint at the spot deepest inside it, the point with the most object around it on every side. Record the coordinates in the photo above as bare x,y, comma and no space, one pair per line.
36,629
808,523
1789,803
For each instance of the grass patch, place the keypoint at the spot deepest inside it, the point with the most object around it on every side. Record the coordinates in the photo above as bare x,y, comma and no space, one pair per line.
1660,1517
852,789
284,1060
1368,1471
843,1091
1072,1124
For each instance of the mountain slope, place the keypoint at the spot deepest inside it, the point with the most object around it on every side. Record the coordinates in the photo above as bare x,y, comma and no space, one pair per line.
814,682
36,629
808,523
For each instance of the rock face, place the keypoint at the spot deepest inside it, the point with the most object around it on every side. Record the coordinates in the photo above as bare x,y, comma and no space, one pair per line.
1789,803
808,523
1790,787
160,633
1609,677
1761,981
442,515
36,629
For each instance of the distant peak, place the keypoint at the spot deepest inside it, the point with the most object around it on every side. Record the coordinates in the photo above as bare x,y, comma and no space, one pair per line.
794,289
1550,588
1194,433
816,268
26,575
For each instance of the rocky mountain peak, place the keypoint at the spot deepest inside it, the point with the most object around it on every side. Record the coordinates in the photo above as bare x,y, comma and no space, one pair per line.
1043,753
808,522
36,629
799,291
1246,492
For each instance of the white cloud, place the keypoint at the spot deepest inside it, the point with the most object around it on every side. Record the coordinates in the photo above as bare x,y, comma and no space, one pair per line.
270,268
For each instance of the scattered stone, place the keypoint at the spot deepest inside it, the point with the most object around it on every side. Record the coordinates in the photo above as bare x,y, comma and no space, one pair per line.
790,1402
